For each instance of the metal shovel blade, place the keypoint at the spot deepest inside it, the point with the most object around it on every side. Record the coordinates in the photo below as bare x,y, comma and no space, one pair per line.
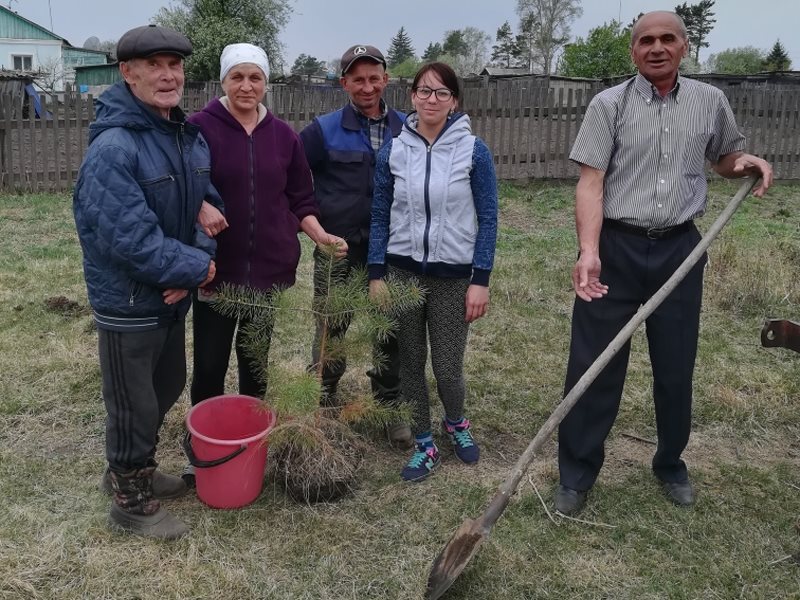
781,333
467,539
454,557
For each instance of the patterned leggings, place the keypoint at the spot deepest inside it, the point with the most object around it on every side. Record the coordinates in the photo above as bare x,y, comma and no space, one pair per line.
440,317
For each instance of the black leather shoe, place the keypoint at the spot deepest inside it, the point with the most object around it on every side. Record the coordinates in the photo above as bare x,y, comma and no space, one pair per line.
681,493
568,501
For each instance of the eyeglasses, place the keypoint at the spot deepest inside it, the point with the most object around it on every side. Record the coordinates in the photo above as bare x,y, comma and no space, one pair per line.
442,94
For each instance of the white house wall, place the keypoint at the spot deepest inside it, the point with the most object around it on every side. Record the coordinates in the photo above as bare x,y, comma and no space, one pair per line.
46,56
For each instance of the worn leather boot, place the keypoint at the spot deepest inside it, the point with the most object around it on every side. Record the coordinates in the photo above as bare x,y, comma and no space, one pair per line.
135,510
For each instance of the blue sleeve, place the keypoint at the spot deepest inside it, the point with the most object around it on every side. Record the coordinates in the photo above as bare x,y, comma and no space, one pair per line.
484,194
382,198
201,239
124,228
313,144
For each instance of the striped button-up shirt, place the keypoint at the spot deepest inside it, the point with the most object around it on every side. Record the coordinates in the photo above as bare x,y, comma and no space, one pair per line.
653,149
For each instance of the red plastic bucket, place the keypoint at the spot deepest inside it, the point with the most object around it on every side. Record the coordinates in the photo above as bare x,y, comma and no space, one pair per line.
226,444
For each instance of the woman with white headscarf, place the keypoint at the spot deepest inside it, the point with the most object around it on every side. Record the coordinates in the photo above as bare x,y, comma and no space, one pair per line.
260,170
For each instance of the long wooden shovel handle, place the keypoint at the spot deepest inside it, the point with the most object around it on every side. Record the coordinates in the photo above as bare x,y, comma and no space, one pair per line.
509,486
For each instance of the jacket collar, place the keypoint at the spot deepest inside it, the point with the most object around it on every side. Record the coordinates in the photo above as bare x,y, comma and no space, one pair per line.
350,120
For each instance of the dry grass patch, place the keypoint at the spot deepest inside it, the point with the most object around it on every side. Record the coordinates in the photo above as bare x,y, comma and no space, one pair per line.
744,452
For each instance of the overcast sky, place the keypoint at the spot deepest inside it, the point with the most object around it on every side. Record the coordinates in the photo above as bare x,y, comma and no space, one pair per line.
325,28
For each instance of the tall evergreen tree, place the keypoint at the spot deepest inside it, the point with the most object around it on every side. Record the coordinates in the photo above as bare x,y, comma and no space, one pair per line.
454,43
432,52
777,59
505,51
308,65
400,48
699,22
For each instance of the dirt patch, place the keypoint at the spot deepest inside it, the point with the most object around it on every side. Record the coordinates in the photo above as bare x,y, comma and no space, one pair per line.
64,306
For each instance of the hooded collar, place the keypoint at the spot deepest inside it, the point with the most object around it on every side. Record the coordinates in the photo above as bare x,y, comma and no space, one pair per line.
456,127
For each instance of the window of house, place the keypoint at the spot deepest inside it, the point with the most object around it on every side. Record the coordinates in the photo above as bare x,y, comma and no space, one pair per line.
23,62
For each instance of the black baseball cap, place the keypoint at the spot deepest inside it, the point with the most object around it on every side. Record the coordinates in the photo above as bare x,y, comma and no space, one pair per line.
358,52
147,40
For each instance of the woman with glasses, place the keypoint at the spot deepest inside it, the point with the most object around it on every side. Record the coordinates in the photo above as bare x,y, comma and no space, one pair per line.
434,219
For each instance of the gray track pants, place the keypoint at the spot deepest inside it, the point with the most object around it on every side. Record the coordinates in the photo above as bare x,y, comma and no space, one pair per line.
143,375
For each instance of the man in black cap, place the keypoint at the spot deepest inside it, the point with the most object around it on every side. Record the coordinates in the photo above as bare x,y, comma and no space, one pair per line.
341,147
136,203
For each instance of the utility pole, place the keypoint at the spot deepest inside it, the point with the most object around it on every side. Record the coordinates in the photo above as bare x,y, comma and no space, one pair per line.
50,6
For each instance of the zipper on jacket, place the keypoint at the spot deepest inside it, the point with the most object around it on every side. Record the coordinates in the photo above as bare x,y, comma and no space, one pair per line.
251,159
167,177
134,288
187,175
429,147
425,240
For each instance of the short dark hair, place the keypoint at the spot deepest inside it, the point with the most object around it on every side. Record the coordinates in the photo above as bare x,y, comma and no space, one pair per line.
445,73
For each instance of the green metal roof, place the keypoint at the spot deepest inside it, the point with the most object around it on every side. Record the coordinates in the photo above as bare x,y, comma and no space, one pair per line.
16,27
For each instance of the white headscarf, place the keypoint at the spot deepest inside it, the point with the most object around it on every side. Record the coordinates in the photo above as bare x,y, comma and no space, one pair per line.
236,54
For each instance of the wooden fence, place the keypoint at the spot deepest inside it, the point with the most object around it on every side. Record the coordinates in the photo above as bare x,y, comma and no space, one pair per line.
529,124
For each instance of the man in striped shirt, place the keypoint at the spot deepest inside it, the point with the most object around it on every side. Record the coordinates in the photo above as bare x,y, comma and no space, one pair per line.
642,149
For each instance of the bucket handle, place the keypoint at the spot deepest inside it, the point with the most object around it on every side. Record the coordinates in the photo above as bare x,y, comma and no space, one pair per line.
204,464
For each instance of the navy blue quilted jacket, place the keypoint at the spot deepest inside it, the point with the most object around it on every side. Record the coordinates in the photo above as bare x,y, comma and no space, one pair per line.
136,202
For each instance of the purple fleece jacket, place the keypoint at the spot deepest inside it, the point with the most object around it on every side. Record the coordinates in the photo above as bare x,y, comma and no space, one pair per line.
265,184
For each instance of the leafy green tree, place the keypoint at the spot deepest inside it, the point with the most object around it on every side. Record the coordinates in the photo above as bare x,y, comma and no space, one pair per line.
506,51
213,24
432,52
545,27
604,53
777,59
736,61
400,48
699,22
406,69
308,65
690,66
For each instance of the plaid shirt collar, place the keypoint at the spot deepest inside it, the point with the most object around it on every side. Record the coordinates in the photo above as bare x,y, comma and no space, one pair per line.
374,127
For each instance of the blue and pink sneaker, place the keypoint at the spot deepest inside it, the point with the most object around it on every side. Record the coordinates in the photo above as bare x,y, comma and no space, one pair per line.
463,444
424,460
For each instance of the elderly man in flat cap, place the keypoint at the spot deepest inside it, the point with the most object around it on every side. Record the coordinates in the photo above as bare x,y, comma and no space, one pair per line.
341,147
136,205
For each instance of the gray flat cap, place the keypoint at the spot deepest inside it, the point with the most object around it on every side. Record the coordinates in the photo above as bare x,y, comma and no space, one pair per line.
147,40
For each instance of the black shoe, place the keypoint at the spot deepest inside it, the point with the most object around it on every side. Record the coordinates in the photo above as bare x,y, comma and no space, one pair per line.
568,501
681,494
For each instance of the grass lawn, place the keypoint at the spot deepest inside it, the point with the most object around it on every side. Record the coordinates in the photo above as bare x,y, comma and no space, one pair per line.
739,541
